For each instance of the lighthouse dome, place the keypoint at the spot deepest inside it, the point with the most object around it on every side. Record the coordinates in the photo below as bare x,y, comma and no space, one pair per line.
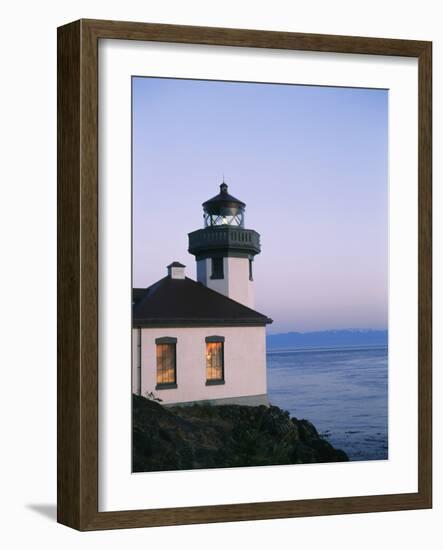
224,209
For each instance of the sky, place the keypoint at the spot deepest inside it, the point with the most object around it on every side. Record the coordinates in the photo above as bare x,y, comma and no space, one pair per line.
311,164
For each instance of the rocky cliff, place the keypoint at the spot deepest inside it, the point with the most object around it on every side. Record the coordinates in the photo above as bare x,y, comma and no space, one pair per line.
205,436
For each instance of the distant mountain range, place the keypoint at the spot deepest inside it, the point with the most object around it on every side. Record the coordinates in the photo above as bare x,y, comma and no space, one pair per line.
326,338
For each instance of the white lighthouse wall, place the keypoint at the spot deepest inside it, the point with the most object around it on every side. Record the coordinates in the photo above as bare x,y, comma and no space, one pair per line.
204,271
240,286
244,365
235,283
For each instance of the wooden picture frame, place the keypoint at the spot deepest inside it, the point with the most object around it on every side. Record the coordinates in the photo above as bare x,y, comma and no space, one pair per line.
78,274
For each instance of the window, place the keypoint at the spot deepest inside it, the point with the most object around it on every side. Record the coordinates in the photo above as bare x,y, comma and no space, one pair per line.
212,220
166,363
215,360
217,268
250,270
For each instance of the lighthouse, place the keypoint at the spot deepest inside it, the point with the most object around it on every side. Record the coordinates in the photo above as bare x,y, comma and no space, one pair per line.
202,341
224,250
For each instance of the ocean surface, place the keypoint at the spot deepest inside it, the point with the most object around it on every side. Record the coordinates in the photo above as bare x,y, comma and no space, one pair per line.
342,391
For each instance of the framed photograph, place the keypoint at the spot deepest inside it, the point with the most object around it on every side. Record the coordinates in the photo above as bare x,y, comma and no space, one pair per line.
244,275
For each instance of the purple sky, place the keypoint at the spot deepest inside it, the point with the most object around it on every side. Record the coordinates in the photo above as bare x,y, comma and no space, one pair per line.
311,165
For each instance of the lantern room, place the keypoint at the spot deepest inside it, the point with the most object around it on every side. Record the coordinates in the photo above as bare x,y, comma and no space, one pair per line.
224,209
224,249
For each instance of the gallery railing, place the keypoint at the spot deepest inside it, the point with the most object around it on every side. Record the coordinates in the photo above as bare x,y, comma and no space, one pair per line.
222,238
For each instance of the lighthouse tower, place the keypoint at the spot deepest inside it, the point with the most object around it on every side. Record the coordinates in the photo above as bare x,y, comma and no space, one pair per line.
224,249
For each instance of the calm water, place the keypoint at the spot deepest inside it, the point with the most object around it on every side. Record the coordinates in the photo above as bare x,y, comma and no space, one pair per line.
343,392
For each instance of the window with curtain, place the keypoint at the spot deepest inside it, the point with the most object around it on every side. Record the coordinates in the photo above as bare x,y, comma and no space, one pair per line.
214,360
166,362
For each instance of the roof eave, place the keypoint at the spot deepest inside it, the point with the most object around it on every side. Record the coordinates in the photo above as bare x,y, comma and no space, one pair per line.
193,323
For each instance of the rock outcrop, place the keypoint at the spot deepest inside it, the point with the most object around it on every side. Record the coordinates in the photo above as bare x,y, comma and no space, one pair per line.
225,436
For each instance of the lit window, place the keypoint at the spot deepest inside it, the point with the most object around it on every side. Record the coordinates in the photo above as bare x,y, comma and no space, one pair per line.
215,360
166,362
214,220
